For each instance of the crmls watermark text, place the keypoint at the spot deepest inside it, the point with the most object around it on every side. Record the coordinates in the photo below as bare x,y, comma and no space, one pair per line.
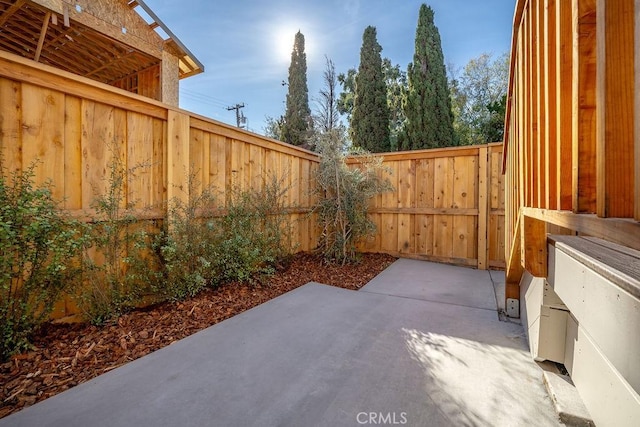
382,418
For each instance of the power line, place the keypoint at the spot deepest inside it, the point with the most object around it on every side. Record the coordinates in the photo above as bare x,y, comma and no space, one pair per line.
203,99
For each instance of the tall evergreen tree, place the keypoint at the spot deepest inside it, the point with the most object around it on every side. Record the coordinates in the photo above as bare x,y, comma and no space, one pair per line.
297,119
396,80
370,117
429,120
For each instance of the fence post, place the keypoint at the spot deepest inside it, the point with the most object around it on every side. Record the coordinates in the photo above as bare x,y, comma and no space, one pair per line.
177,156
483,196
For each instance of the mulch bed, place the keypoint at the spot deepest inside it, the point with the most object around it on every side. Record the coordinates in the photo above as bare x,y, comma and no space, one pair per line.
66,355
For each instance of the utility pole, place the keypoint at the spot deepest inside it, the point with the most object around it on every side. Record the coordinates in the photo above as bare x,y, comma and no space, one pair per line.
240,118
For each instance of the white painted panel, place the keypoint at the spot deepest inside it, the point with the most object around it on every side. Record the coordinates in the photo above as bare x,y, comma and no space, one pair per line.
570,342
553,331
609,398
606,312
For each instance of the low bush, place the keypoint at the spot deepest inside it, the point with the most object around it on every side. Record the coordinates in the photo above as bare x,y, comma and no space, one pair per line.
186,246
39,257
119,265
205,245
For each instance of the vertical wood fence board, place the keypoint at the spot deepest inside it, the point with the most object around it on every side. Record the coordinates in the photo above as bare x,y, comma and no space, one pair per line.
140,159
72,153
43,136
256,163
97,141
406,183
178,134
217,162
206,160
424,183
485,190
305,183
159,166
295,182
195,168
11,125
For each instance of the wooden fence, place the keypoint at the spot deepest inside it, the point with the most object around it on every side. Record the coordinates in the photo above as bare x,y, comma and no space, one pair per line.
72,125
448,207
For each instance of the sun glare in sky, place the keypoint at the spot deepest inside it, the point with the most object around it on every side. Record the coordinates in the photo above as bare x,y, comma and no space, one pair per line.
283,38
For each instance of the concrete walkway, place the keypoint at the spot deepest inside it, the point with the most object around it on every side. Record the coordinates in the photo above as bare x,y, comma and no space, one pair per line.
420,345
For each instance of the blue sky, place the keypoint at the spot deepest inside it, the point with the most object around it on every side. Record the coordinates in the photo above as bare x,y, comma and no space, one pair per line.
245,45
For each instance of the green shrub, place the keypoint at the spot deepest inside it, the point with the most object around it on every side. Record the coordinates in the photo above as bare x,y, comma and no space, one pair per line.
39,248
206,245
344,194
254,235
186,245
119,264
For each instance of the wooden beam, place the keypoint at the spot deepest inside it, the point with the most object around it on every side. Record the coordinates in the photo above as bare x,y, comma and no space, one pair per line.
534,246
584,106
426,211
514,257
615,104
551,105
637,112
537,40
43,34
624,232
564,88
514,269
10,11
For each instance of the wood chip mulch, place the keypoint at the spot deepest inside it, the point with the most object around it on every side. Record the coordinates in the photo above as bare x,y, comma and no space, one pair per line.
65,355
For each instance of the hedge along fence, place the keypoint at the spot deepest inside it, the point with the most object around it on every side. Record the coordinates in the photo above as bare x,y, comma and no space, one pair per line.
448,205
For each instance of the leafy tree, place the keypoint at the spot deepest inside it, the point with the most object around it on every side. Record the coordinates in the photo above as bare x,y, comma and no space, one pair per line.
396,92
370,117
343,195
479,97
273,128
327,116
429,121
297,121
396,80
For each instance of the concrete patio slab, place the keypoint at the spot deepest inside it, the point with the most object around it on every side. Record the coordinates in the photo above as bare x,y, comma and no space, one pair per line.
435,282
322,356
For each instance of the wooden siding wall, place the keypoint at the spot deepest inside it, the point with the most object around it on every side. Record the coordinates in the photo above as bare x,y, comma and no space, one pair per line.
572,140
448,207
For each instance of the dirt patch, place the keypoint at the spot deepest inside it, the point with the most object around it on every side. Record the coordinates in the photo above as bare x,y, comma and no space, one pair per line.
67,355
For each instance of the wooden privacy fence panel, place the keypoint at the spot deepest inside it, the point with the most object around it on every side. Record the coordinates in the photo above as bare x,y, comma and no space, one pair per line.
73,126
448,206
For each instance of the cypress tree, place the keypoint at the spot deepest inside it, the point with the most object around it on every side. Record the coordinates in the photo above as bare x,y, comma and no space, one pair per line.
297,120
429,121
370,117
